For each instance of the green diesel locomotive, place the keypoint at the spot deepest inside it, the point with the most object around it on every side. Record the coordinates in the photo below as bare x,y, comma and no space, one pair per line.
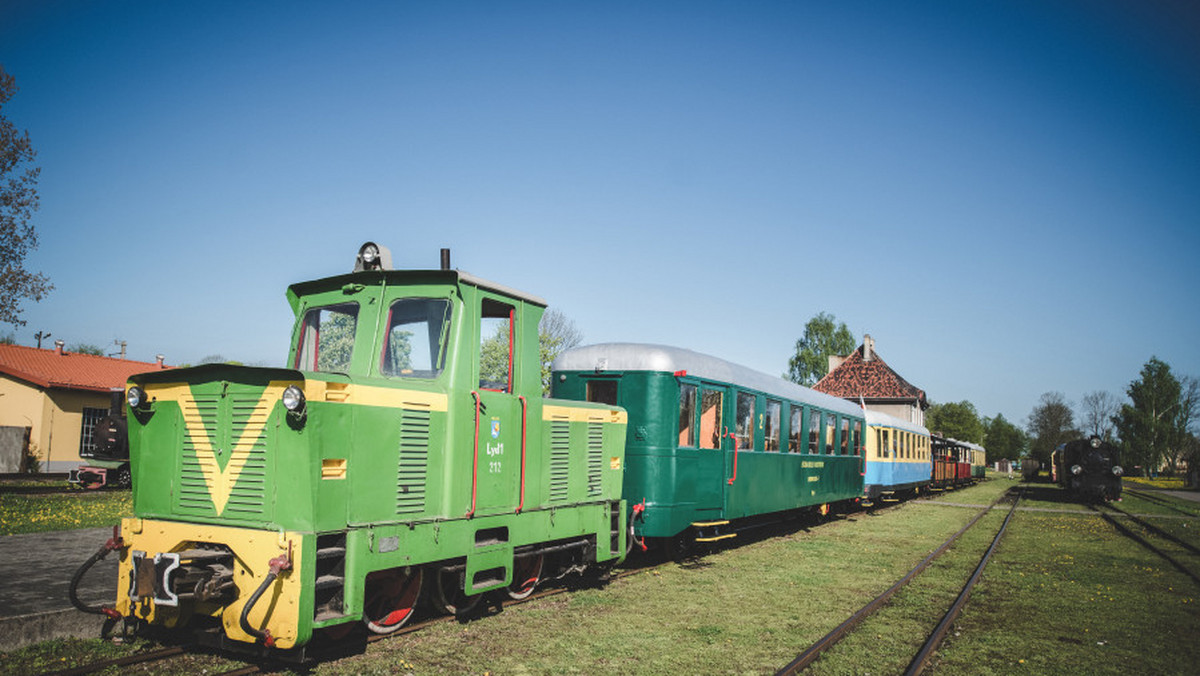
407,447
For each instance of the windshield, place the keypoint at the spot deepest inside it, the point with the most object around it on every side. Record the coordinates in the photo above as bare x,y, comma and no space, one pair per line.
416,338
327,338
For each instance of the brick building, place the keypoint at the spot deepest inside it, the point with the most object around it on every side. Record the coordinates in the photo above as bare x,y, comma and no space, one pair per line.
864,376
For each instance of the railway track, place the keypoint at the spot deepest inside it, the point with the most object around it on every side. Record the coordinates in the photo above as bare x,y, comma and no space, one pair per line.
935,638
321,653
1146,544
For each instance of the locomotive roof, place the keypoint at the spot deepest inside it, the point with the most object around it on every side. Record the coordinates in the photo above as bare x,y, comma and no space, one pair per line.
400,277
885,420
666,359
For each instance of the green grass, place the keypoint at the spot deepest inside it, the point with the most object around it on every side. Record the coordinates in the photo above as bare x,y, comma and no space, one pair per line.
33,513
1065,593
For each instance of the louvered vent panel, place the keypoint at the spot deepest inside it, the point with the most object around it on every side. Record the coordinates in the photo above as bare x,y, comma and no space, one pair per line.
560,458
413,461
595,456
246,430
245,426
193,492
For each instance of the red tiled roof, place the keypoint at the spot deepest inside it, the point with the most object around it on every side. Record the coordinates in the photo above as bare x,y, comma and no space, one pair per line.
871,380
69,370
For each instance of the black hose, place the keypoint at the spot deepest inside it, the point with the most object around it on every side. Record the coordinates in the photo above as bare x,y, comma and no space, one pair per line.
244,621
73,590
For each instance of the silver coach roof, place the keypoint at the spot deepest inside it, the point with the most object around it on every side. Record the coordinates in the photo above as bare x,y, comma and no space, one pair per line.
665,359
885,420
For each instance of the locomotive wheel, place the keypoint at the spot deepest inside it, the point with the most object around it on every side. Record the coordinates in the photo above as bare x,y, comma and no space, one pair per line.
391,596
450,595
527,572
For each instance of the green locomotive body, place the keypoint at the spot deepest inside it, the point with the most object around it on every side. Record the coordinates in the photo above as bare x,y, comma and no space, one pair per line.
714,446
408,446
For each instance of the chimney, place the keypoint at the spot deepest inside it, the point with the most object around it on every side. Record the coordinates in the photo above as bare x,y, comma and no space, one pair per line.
868,347
58,346
445,259
160,359
834,362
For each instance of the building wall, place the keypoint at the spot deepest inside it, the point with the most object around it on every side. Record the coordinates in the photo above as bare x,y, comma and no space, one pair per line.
910,412
55,416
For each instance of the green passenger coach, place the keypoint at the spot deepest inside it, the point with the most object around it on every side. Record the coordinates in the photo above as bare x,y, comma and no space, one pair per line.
713,446
406,447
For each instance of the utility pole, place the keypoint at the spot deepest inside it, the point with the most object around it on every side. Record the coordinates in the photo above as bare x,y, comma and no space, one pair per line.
120,342
40,335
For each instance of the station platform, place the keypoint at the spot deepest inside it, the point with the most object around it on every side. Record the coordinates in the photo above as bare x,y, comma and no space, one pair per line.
35,573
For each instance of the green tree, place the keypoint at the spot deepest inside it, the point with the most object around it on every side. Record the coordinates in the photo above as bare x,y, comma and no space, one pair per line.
1154,426
957,420
86,348
493,357
1050,423
18,201
823,337
1002,439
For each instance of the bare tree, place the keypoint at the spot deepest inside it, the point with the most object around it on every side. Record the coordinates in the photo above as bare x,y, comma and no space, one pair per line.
1099,408
1050,423
556,332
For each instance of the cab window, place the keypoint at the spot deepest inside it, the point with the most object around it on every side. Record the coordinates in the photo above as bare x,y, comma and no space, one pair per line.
602,391
416,338
327,338
496,331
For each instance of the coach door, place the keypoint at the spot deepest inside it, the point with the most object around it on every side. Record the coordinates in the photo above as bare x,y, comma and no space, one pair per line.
711,460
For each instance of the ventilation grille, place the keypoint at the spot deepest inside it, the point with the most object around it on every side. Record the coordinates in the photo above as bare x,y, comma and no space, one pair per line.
560,458
245,421
413,461
595,456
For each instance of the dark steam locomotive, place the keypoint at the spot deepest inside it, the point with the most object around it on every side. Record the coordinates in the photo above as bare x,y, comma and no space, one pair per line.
1089,469
108,459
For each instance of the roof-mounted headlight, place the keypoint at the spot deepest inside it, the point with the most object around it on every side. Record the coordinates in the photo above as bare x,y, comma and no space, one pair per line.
293,399
135,397
1095,442
372,256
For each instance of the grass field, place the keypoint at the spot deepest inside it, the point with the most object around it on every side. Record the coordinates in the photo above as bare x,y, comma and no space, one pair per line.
1065,593
36,513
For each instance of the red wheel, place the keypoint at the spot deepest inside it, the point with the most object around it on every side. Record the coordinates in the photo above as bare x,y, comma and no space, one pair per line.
823,510
527,572
391,596
450,594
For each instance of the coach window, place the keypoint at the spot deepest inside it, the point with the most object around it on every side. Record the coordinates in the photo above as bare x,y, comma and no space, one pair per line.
416,338
711,402
845,440
771,433
745,421
814,431
687,416
795,440
893,451
830,433
327,338
497,327
602,391
857,439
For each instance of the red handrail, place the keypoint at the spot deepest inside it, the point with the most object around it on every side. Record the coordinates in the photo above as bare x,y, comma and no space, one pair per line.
524,418
475,460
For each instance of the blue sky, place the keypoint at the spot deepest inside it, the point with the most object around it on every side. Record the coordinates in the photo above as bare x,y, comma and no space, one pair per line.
1006,196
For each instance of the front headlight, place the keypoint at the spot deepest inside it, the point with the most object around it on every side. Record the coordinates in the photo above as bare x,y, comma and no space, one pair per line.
293,399
135,397
1076,469
1117,470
